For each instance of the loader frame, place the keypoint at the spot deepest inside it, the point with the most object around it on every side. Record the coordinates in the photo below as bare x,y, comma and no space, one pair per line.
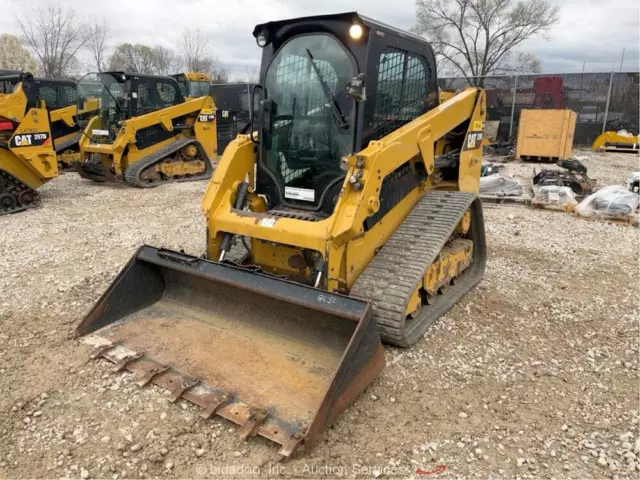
348,238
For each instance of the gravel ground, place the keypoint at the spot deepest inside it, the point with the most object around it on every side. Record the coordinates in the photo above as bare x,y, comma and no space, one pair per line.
534,374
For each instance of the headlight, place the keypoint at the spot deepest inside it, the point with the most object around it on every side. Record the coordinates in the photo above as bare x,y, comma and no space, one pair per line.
262,39
356,31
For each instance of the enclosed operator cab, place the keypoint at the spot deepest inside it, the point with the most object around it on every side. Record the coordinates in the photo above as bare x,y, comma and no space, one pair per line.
126,95
58,97
193,85
331,84
38,128
147,133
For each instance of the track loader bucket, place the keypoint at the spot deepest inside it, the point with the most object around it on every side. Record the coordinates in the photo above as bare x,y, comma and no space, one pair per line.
280,359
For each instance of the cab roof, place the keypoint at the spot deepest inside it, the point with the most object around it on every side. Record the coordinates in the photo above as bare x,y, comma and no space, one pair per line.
134,74
193,76
353,17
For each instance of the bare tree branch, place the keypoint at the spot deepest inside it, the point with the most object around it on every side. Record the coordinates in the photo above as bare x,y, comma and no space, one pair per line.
198,57
98,33
55,35
195,52
477,37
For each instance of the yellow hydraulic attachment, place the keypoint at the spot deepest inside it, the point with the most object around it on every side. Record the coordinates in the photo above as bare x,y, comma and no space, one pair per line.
616,142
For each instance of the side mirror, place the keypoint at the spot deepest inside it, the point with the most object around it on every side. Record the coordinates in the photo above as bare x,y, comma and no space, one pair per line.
356,88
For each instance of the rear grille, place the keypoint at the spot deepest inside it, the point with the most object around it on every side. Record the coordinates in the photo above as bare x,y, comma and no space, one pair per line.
299,214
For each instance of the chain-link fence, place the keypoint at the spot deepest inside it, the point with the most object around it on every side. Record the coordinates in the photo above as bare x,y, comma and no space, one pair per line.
602,101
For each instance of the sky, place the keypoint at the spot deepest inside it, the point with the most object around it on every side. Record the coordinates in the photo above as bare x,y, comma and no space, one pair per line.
591,31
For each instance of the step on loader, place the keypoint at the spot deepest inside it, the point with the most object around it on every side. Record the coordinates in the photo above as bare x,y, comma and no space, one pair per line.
146,133
40,126
348,218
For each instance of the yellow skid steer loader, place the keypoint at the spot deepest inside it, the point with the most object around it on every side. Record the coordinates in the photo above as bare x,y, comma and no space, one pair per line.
40,125
349,216
146,132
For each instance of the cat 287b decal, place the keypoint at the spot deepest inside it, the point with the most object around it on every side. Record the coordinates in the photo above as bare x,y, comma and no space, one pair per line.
29,140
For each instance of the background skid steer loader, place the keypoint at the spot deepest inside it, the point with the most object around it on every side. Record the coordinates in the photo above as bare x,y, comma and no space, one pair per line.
40,125
356,203
146,133
60,98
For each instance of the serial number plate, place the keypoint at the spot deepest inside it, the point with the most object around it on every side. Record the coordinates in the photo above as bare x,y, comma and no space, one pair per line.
304,194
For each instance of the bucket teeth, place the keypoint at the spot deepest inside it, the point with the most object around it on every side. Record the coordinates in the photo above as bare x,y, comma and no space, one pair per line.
101,350
124,361
183,387
151,374
291,444
250,427
214,406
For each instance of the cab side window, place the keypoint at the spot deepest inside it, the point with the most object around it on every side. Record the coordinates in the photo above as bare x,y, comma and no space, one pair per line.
167,93
48,94
67,96
403,86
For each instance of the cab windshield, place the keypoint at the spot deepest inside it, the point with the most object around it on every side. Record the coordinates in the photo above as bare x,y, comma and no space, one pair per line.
110,94
310,130
197,89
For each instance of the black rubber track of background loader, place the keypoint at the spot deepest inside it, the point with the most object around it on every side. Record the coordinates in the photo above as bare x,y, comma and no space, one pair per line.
390,279
12,181
132,174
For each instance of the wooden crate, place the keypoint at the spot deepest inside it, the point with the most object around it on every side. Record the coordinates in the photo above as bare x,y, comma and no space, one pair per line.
545,134
631,219
554,207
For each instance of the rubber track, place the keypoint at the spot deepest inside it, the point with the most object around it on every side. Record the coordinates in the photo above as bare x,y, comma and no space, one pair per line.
390,279
132,174
13,185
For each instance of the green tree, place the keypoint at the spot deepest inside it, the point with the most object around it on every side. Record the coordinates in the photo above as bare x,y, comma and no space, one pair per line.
13,56
140,58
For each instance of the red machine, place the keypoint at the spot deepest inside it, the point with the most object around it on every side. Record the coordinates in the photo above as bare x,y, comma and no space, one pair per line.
549,93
